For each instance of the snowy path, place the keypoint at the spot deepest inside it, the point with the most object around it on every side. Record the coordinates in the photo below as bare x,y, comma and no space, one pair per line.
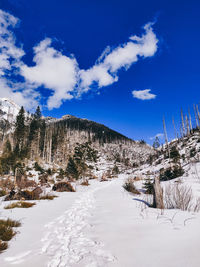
102,225
53,233
65,242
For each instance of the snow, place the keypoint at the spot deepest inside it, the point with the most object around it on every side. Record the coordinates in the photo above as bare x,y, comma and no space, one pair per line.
9,108
103,225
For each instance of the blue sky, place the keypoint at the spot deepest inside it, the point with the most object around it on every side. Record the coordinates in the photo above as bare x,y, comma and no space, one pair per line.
67,37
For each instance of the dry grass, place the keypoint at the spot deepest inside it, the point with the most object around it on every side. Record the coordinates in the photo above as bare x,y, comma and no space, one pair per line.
48,197
20,204
3,246
7,184
180,197
92,177
10,223
2,193
85,183
7,232
25,183
130,186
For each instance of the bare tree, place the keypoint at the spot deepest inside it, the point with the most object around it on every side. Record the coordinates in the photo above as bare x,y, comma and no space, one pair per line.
182,122
175,131
195,114
190,120
187,125
158,194
166,138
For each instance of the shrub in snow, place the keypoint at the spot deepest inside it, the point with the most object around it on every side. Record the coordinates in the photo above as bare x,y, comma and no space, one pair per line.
85,183
24,195
115,170
63,187
193,152
7,232
3,246
171,173
2,193
38,168
20,204
148,186
174,154
180,197
130,186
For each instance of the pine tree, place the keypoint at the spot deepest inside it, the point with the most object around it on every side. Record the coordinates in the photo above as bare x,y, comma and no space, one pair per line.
35,123
156,143
148,186
7,148
174,154
71,169
38,114
20,126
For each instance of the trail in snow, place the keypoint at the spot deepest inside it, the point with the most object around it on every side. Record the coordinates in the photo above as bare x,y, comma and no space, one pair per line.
65,242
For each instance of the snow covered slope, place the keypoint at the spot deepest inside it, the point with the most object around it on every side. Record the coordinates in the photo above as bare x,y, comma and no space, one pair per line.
8,110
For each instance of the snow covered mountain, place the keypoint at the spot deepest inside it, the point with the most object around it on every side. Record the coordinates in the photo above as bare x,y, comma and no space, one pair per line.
56,139
8,110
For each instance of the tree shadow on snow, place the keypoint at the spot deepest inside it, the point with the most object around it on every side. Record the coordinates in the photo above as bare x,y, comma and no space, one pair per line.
143,201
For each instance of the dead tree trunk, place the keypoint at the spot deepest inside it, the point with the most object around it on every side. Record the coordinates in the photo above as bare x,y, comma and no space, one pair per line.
187,125
175,132
183,124
195,114
190,119
158,194
166,138
198,114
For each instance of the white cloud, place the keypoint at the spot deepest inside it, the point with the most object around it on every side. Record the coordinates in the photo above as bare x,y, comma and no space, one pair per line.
104,72
143,94
22,94
54,71
60,73
159,135
10,61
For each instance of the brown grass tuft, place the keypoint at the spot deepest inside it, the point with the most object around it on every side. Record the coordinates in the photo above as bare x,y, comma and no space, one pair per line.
20,204
3,246
7,232
85,183
130,187
2,193
48,197
10,223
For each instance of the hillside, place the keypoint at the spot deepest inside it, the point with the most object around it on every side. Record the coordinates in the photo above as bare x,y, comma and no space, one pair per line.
85,195
53,141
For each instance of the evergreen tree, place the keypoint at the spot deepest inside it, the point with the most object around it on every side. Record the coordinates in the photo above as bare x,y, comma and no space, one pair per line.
38,114
20,126
115,170
35,123
174,154
148,186
7,148
156,143
71,169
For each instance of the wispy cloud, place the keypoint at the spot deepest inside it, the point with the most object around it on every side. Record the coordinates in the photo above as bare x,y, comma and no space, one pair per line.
143,94
10,64
60,73
105,71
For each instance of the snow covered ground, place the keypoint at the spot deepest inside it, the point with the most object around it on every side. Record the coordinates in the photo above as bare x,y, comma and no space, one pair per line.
102,225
